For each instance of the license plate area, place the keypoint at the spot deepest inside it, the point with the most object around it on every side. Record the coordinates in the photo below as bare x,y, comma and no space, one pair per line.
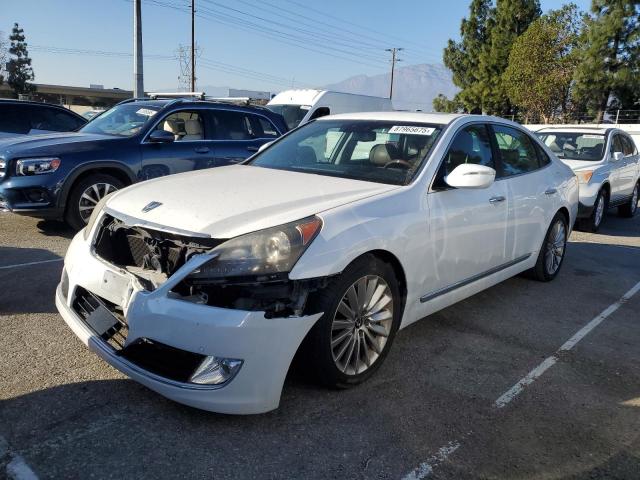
104,318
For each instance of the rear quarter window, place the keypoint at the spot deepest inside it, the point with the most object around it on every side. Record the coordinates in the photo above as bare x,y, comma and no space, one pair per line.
14,119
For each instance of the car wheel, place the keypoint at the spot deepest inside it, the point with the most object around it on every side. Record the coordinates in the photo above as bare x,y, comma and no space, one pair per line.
553,249
592,224
85,196
629,209
362,309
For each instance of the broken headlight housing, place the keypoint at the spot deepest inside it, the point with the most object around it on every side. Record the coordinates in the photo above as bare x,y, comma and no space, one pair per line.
265,253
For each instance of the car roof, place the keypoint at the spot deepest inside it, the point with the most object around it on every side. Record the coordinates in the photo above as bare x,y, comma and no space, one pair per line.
181,101
596,130
417,117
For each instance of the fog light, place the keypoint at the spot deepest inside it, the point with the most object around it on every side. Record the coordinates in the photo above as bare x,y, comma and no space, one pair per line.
214,371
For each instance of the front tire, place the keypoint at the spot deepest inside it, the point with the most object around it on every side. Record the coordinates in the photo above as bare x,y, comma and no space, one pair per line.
85,195
551,254
629,209
362,309
592,224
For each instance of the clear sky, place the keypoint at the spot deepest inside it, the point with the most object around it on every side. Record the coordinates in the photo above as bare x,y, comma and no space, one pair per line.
257,44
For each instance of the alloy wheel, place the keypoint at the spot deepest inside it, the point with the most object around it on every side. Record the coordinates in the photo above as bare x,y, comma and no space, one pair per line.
361,324
91,196
556,243
599,211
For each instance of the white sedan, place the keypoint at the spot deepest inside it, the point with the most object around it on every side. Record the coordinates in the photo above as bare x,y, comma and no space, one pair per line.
204,285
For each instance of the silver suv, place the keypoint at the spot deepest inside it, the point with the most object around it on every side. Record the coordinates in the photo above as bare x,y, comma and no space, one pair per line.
607,164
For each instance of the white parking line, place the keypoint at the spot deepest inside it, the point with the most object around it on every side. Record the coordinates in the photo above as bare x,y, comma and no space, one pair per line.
19,470
16,265
426,468
548,362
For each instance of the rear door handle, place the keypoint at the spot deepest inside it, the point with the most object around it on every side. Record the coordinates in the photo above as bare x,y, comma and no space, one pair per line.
550,191
252,149
497,199
202,150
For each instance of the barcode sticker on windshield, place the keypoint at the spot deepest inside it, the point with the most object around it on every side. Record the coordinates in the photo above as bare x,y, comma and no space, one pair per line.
411,130
588,135
146,112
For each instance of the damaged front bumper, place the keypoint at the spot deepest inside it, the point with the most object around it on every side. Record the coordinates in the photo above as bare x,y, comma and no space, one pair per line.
265,346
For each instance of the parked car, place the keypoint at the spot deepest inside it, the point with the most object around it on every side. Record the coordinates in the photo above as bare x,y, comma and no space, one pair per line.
64,176
300,106
204,285
19,117
607,164
89,114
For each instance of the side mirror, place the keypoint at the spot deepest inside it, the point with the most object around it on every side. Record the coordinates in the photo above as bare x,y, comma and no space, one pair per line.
471,175
161,136
617,156
264,146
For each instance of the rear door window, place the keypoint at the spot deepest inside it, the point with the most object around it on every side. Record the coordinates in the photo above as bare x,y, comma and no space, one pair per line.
230,125
517,153
14,119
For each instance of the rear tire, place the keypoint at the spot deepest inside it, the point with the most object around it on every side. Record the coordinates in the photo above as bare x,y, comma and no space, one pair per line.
600,206
367,334
85,194
630,208
552,252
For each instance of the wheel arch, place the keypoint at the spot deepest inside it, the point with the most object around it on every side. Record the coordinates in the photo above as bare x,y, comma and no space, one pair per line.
115,169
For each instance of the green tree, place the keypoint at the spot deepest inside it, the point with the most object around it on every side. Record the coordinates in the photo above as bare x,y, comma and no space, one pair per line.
510,19
442,104
609,70
4,57
462,57
542,64
19,70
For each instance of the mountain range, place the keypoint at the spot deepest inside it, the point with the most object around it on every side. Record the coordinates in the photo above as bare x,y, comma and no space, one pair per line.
414,86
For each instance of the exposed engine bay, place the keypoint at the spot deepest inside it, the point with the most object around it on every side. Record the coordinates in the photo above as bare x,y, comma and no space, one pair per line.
153,256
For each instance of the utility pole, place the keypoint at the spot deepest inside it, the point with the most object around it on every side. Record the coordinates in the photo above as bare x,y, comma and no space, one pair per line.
138,77
193,45
394,58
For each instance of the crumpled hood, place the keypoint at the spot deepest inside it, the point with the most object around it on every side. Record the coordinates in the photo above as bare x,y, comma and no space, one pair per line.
225,202
54,144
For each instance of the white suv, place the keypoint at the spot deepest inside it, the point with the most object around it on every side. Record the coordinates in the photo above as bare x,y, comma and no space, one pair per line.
607,164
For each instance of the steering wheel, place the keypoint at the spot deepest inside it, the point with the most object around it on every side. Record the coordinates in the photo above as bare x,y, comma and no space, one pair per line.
398,164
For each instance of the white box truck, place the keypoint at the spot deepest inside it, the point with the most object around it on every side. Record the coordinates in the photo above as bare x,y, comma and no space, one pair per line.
300,106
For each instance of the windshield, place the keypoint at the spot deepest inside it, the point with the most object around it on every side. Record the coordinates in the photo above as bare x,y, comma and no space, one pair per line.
373,151
574,145
292,114
122,120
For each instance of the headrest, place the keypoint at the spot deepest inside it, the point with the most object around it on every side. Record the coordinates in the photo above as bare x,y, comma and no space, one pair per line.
193,127
171,126
383,153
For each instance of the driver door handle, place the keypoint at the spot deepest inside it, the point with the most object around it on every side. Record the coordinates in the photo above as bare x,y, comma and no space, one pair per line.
497,199
252,149
202,150
550,191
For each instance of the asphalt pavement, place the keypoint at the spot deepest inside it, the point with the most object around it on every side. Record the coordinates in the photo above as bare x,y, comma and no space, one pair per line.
429,412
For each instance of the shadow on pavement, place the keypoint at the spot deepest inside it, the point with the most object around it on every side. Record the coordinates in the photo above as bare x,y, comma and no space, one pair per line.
53,228
28,288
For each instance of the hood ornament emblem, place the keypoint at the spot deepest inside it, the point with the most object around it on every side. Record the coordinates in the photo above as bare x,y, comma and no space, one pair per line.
150,206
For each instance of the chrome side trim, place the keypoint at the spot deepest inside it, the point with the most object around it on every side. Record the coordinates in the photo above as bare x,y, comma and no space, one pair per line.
462,283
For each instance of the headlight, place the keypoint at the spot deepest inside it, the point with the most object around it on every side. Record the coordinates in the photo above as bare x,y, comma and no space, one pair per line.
584,176
37,166
266,252
94,215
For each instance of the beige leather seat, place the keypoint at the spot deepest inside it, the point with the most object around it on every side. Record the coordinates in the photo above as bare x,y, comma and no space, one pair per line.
382,154
172,127
193,130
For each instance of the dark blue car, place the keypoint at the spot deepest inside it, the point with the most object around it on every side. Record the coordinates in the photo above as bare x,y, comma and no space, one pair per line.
63,176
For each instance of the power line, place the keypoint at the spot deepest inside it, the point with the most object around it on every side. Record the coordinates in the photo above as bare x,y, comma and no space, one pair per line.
283,37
